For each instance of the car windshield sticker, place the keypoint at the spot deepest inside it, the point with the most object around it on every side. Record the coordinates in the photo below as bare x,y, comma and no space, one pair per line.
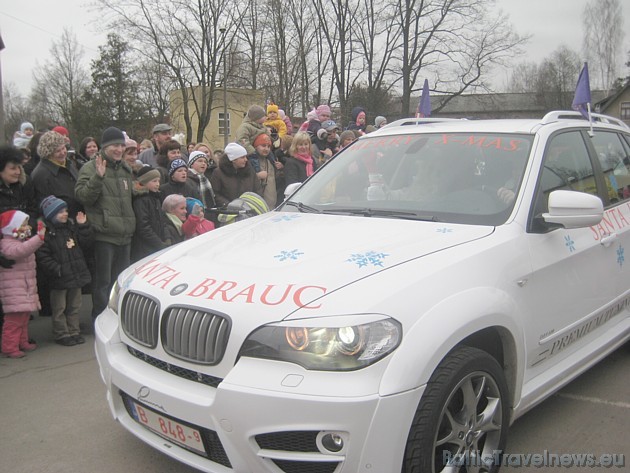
496,142
370,258
288,255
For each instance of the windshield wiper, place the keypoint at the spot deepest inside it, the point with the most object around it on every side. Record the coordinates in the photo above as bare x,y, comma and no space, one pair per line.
367,212
303,207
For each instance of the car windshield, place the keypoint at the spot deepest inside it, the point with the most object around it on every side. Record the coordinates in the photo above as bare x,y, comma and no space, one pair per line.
469,178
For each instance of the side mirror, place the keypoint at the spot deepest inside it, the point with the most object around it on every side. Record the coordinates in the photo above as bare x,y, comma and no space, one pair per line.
572,209
291,188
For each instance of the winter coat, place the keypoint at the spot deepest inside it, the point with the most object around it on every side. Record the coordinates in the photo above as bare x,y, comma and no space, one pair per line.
353,122
186,188
61,258
295,170
267,185
19,196
247,133
207,195
172,236
51,179
229,183
195,226
18,285
107,201
150,221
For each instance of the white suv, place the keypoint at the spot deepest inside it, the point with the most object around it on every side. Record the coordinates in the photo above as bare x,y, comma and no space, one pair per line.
422,290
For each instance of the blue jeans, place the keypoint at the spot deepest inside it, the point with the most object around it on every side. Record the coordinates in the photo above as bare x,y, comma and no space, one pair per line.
109,261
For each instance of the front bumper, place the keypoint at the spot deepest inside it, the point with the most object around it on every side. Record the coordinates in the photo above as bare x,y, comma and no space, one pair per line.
253,430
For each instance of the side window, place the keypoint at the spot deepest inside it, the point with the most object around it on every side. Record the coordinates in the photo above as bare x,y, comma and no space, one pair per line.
615,163
566,166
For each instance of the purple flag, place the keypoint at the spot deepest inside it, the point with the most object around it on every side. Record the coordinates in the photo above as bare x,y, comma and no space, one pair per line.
582,93
424,105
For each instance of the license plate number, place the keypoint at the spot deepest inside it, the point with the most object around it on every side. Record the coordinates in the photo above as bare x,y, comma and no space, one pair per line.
169,428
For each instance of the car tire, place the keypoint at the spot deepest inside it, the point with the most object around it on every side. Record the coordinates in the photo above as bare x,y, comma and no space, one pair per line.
463,416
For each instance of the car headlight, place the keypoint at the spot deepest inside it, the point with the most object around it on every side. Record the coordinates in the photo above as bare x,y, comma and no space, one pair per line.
114,296
341,348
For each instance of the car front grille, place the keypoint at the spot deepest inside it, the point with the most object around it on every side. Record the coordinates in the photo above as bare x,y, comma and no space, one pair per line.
140,317
294,441
187,333
194,335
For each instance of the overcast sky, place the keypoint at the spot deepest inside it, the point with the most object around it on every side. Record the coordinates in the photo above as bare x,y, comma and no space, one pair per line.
28,28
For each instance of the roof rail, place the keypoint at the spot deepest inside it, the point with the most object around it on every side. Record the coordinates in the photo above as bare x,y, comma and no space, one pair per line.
557,115
419,121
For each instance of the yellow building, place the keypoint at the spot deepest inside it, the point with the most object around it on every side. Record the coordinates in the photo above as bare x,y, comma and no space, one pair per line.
238,101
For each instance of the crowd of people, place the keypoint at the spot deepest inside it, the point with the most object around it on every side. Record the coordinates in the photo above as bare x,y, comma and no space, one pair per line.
114,201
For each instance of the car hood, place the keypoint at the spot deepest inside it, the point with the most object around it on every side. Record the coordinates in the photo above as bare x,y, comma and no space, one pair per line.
280,261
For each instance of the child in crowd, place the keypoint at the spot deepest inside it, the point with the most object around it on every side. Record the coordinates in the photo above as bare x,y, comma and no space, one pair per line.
18,285
274,120
22,138
195,224
178,182
149,236
62,260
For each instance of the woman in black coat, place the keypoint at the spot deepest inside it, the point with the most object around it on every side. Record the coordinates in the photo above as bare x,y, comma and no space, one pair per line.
149,236
299,164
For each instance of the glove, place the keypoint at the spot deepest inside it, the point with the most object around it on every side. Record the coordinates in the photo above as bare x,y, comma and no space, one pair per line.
322,134
6,262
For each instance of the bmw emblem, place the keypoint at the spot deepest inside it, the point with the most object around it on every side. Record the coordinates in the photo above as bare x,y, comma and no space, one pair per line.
177,290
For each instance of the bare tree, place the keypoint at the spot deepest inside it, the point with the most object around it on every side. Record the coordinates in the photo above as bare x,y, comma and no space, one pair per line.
187,41
61,81
603,38
456,43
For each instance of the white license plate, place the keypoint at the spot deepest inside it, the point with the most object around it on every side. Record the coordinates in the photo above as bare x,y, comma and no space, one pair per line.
169,428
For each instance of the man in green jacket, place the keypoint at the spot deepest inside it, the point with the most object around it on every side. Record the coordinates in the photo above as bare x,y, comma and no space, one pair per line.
105,187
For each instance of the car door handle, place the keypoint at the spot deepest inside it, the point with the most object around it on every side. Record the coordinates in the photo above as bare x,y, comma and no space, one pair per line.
608,239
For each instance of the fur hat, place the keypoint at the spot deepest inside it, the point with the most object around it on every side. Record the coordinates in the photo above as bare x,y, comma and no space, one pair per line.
235,151
195,156
175,165
255,113
146,174
272,108
62,130
262,139
51,206
112,136
380,121
49,143
11,220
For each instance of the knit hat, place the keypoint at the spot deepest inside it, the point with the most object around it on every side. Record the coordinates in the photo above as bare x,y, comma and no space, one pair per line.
112,136
61,130
346,135
255,113
195,156
51,206
11,220
146,174
175,165
190,203
25,126
323,109
272,108
262,139
380,121
49,143
235,151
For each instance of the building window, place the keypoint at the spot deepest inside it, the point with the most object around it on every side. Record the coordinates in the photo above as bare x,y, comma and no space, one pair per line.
625,111
224,125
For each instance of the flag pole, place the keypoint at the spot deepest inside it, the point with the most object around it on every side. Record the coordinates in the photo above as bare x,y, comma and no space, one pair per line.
590,120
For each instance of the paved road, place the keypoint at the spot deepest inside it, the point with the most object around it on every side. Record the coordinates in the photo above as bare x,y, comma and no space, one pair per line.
54,418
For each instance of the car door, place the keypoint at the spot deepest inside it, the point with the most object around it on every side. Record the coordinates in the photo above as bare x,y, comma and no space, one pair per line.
570,282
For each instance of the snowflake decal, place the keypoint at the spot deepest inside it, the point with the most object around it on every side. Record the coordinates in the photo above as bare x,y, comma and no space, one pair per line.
569,243
444,230
370,258
620,256
288,255
285,218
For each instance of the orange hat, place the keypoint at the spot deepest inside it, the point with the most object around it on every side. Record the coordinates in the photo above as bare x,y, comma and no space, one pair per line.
262,139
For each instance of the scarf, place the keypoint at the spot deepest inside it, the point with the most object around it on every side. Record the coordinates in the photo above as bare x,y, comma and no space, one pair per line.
176,221
305,158
205,189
